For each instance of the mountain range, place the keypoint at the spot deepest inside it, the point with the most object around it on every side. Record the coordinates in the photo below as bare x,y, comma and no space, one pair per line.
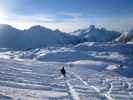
125,37
35,37
93,34
40,37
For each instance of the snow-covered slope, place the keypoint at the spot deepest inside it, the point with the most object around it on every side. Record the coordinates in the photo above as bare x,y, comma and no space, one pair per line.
116,54
93,34
125,37
94,71
33,80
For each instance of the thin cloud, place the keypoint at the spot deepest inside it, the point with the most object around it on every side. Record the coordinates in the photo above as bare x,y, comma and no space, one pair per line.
69,24
72,14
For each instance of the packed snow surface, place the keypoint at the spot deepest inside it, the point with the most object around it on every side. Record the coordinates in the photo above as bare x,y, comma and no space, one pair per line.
94,72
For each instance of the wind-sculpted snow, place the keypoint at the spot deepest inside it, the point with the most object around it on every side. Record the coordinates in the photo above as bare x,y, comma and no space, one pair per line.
33,80
95,71
113,55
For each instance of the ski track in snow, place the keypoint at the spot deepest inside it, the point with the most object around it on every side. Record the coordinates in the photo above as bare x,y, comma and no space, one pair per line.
96,89
33,80
108,93
72,91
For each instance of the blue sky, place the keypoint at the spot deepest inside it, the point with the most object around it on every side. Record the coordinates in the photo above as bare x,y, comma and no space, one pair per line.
68,15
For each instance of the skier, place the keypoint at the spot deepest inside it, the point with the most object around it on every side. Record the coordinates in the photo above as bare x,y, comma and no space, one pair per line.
63,71
121,66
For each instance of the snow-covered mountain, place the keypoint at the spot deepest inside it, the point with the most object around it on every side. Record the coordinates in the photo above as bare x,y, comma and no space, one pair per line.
36,36
44,37
40,37
11,37
93,34
125,37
